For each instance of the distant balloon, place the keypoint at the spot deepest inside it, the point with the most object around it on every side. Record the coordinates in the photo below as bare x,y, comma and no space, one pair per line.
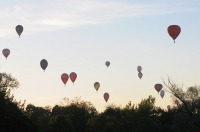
162,93
19,29
73,76
107,63
140,75
158,87
174,31
139,68
6,52
96,85
64,78
106,96
43,64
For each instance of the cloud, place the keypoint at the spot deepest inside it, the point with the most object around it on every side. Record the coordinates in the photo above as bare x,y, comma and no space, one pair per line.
54,14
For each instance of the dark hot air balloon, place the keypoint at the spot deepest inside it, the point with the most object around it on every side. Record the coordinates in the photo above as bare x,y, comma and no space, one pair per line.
140,75
162,93
139,68
6,52
107,63
19,29
158,87
106,96
43,64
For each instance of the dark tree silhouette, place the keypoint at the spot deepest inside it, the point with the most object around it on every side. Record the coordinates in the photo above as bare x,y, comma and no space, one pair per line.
81,116
12,116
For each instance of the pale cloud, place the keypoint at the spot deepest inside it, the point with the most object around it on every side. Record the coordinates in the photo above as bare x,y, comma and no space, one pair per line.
54,14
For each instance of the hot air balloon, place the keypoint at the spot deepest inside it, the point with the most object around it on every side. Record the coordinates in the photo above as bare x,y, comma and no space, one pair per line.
64,78
6,52
96,85
140,75
73,76
106,96
107,63
162,93
158,87
43,64
19,29
174,31
139,68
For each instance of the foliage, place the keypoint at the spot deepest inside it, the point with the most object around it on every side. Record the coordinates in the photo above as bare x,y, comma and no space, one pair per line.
81,116
12,117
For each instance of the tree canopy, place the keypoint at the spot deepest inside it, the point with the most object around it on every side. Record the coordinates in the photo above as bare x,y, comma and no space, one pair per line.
81,116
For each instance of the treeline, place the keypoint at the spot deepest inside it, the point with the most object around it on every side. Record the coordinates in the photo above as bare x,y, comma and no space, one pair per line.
81,116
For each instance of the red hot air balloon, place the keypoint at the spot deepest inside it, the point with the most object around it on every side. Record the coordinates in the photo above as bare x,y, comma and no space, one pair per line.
64,78
106,96
158,87
6,52
73,76
139,68
174,31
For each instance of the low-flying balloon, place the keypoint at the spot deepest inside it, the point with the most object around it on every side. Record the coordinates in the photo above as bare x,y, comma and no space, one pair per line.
106,96
158,87
174,31
140,75
73,76
107,63
64,78
162,93
6,52
43,64
96,85
139,68
19,29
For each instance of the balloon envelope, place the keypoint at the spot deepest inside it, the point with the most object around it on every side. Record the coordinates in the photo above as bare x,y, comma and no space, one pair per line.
140,75
106,96
73,76
162,93
64,78
139,68
43,64
96,85
107,63
6,52
19,29
158,87
174,31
